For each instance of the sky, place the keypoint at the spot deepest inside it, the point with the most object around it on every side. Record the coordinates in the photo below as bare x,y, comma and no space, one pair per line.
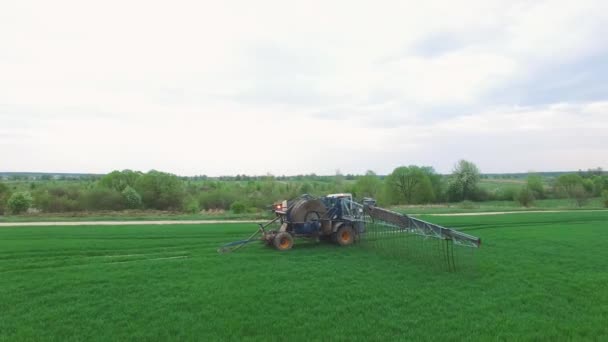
298,87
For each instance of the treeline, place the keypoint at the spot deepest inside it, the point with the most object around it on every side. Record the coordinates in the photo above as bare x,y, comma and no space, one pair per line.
123,190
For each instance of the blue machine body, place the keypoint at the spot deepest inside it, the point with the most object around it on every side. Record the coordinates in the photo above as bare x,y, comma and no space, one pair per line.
307,228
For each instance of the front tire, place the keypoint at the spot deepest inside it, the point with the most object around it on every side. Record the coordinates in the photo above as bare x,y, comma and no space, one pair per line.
345,236
283,241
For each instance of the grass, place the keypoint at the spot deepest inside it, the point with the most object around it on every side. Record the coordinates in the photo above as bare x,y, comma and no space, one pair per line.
489,206
539,276
132,215
152,215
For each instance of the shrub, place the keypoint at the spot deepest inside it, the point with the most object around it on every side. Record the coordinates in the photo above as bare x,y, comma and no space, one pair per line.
191,205
580,196
5,194
525,196
535,184
605,198
58,199
507,193
238,207
19,202
104,199
132,198
467,205
160,190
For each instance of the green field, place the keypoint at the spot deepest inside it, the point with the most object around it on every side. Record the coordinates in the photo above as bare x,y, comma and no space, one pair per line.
538,276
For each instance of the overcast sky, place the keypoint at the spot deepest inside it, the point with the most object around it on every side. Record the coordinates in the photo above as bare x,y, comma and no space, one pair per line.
233,87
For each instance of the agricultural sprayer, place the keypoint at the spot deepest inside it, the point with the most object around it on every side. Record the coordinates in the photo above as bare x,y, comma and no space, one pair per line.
339,219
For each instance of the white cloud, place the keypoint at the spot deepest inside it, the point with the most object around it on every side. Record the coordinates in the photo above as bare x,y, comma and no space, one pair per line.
293,87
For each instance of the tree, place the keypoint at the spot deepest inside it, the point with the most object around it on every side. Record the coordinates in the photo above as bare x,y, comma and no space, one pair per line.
600,183
409,184
19,202
573,186
465,177
535,185
100,198
119,180
5,194
605,198
132,198
568,183
525,196
160,190
238,207
368,185
436,182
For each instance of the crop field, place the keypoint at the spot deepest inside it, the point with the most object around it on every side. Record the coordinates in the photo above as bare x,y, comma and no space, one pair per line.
537,276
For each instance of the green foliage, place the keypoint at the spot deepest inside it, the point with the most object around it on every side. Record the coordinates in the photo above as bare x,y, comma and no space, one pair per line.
600,183
238,207
168,192
409,185
160,190
100,198
566,184
454,191
505,193
437,183
191,205
605,197
525,196
58,198
536,186
5,194
119,180
465,177
368,185
19,202
467,205
575,187
132,198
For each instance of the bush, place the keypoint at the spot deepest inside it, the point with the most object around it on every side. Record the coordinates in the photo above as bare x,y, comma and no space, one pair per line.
507,193
19,202
238,207
191,205
467,205
5,194
58,199
605,198
132,198
580,196
479,194
104,199
160,190
525,196
535,185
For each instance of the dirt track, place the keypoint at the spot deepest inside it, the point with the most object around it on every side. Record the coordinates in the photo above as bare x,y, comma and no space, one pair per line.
122,223
138,223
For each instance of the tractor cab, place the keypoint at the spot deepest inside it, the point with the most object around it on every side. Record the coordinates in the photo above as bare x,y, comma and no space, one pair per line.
332,200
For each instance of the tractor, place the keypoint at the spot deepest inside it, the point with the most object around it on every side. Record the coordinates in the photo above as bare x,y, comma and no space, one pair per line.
334,217
339,219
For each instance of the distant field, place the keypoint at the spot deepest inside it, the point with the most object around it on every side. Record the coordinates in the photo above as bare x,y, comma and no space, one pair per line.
143,215
546,204
538,276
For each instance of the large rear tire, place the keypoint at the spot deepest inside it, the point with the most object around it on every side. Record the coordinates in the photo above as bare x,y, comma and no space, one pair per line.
283,241
345,236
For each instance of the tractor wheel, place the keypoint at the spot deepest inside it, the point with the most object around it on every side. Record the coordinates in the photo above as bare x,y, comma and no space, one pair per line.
345,236
283,241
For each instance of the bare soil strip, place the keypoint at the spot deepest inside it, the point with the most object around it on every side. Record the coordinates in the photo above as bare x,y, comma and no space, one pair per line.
122,223
161,222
